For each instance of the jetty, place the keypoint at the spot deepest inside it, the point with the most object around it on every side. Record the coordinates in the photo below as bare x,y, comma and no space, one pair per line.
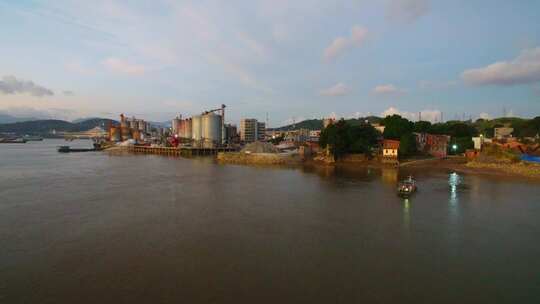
180,151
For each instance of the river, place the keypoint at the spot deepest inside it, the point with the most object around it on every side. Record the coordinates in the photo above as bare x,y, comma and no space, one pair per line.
104,228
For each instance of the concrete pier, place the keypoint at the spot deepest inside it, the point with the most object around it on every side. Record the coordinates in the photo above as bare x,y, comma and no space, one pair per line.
181,151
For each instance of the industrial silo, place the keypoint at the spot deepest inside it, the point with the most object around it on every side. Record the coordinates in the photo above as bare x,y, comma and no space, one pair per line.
211,128
115,134
188,130
196,127
176,125
181,128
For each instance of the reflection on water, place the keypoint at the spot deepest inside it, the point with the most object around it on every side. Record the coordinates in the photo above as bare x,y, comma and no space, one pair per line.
389,175
454,181
406,213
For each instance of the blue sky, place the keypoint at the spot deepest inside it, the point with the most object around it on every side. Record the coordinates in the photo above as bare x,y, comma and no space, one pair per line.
291,59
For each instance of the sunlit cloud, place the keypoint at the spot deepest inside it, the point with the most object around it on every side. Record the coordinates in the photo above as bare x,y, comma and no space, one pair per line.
341,44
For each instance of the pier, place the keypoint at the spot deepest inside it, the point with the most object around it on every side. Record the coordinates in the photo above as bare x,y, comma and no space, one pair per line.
181,151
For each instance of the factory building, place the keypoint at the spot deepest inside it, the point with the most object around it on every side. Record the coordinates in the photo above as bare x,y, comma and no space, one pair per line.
129,128
231,134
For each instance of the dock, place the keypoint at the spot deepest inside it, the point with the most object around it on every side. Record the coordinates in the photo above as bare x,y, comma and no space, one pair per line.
181,151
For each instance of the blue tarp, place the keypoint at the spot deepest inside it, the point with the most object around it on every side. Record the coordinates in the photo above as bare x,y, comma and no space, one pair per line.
530,158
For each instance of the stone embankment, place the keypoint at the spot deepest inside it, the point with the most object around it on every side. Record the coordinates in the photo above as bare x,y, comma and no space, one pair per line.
258,158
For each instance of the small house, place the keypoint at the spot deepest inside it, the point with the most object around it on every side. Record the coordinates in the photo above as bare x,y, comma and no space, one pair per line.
390,151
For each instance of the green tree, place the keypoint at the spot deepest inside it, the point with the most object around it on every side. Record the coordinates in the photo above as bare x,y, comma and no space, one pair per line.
422,126
342,138
362,138
407,145
396,126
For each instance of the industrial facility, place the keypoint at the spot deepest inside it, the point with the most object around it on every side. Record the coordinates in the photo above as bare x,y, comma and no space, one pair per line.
207,130
129,128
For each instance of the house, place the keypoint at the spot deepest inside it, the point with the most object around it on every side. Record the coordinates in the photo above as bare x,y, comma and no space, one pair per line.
378,127
390,151
437,145
479,142
432,144
503,132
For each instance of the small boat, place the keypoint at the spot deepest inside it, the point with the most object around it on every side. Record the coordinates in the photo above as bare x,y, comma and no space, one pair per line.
407,187
12,141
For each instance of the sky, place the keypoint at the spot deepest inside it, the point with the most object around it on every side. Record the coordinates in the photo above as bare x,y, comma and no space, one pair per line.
285,60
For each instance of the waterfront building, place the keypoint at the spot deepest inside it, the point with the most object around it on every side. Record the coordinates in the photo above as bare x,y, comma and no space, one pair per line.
378,127
314,135
261,130
432,144
479,142
503,132
251,130
390,151
231,134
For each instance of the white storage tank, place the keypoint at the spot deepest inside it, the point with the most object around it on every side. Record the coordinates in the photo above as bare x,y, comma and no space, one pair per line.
187,130
196,127
211,128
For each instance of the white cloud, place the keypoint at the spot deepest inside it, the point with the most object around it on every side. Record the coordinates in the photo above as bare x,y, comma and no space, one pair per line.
425,115
338,89
118,65
484,115
388,90
11,85
435,85
68,93
341,44
407,10
524,69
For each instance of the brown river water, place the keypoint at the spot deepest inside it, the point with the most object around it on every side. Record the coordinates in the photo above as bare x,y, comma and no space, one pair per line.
102,228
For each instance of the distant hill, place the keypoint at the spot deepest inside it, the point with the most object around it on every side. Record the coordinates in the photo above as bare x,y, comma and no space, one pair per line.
44,127
317,124
6,118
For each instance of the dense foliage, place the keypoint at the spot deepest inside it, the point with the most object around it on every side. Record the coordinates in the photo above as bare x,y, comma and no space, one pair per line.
343,137
317,124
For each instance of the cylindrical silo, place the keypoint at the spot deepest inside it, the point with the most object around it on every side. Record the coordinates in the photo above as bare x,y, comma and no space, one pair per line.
196,127
115,134
211,127
176,126
136,134
181,128
188,128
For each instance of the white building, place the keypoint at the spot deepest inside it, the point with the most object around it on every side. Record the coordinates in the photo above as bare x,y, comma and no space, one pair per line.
504,132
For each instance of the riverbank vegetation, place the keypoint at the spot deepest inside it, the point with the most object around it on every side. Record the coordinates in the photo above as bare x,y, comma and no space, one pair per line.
343,138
